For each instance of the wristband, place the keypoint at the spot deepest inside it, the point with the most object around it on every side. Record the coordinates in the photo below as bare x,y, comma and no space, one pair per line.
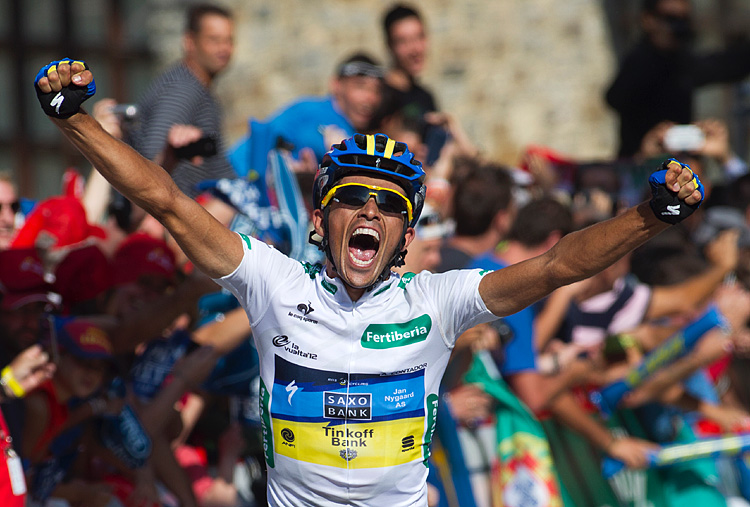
66,102
8,381
664,203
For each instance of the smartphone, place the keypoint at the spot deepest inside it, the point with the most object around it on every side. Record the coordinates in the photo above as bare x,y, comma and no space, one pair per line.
684,138
435,138
203,147
48,337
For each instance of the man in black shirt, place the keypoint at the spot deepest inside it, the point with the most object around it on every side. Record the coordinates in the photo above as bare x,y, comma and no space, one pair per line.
407,44
657,78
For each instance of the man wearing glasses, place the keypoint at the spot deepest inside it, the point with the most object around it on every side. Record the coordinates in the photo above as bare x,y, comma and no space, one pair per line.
9,207
351,355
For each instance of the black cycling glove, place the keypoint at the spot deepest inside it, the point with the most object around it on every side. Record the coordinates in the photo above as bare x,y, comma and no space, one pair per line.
66,102
664,202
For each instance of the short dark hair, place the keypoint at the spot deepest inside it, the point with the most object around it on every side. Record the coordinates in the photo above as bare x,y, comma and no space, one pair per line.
479,196
395,14
538,219
196,13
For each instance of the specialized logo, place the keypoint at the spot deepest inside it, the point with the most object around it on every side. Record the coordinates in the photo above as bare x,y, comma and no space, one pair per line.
386,336
305,308
283,340
347,406
291,389
672,210
57,101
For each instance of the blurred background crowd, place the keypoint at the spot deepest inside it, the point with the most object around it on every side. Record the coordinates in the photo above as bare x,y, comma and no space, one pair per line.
129,378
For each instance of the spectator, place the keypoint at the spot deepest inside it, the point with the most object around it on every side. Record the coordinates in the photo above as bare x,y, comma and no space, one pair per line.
483,212
9,208
424,251
24,296
656,80
176,117
407,44
538,226
52,426
24,374
309,126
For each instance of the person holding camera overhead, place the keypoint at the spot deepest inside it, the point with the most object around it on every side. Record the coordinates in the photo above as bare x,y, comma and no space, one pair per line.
179,127
657,78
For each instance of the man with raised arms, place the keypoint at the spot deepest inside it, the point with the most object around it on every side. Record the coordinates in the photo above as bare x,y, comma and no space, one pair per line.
348,419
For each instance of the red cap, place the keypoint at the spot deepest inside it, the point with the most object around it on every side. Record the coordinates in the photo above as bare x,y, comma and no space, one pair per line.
62,218
141,254
83,274
83,339
22,278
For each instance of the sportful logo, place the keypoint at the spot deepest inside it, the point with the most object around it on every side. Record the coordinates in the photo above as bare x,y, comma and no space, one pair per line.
386,336
57,102
672,210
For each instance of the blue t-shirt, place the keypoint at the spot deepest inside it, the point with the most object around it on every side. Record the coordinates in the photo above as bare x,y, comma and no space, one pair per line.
519,351
299,125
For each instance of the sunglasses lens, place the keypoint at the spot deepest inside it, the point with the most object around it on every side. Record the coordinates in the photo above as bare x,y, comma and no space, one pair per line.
14,206
352,195
388,202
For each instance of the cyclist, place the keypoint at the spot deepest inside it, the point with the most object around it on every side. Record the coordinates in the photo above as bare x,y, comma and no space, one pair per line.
351,355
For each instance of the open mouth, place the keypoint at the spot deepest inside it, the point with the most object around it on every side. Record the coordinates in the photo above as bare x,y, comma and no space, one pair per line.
363,246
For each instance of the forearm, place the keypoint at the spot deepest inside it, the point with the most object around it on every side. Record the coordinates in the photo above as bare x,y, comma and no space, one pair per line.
690,294
142,181
584,253
224,335
567,411
576,256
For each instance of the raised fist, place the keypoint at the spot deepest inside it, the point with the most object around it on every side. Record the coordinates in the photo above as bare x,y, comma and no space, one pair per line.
62,86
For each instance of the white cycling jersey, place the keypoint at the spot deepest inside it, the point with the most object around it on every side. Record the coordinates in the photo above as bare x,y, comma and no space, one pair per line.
349,390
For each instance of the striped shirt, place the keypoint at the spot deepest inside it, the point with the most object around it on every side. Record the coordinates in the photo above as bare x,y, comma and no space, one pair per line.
177,97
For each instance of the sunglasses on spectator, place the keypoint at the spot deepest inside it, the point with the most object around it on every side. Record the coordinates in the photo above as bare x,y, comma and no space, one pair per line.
15,206
357,194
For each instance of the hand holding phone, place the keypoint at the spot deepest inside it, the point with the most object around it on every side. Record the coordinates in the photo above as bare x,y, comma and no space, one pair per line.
684,138
203,147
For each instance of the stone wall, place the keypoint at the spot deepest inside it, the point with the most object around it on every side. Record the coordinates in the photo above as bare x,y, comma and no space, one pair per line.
513,72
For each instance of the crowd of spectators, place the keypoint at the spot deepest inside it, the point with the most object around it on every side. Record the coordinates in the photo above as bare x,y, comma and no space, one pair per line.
129,378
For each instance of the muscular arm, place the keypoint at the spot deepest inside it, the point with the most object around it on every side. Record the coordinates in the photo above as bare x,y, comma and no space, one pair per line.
209,245
575,257
583,253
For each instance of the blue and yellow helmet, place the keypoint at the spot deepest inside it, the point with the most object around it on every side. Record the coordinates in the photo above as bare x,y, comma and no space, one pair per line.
376,154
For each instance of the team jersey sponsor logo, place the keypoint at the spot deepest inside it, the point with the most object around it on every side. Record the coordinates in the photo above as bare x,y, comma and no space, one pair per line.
289,346
347,406
359,420
386,336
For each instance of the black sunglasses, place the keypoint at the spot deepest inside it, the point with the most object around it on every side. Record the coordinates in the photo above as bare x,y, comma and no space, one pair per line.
357,194
15,206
